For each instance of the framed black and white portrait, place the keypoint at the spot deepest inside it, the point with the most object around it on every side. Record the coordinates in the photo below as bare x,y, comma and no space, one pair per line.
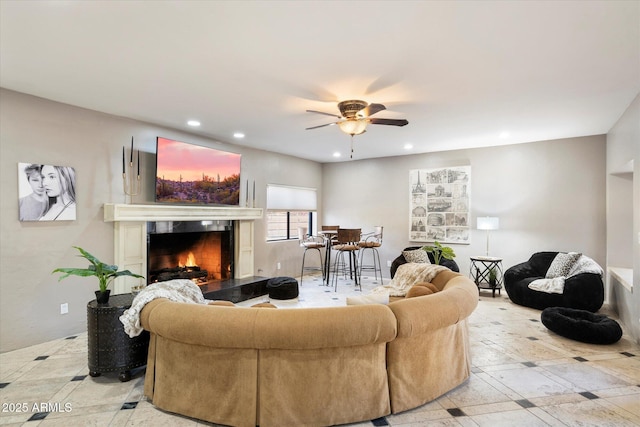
46,192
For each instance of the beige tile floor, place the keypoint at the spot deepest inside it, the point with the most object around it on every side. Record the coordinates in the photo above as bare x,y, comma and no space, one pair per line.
523,375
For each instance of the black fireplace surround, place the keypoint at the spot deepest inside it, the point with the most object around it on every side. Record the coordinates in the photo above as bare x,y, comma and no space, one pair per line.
201,251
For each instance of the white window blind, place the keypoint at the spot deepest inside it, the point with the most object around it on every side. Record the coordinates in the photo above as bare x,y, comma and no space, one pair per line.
282,197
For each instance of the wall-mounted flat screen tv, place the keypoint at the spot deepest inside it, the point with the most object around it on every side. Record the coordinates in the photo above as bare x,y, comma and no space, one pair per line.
193,174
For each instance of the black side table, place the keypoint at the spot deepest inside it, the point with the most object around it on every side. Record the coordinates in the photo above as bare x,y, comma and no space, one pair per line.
481,273
110,348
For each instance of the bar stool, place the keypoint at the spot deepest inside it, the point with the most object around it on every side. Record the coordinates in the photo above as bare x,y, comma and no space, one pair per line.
347,243
372,242
310,242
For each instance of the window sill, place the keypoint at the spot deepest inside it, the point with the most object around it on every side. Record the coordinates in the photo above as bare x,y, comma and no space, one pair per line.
624,276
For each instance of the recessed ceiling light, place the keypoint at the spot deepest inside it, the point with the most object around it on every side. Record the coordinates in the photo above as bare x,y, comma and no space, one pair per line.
408,146
336,154
238,135
504,135
193,123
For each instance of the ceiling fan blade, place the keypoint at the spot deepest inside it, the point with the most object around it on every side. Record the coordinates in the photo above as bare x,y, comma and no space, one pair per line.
371,109
326,114
392,122
321,126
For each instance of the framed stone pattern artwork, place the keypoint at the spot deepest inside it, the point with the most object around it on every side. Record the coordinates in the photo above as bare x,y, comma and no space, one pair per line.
439,204
46,192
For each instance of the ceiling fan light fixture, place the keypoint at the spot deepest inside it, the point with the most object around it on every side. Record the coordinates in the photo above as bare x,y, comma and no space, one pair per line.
353,126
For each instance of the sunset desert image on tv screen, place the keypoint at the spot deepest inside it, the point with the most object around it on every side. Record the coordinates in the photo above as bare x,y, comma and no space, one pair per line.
189,173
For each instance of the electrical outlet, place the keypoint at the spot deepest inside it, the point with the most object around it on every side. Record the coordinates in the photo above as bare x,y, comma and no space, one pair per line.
64,308
278,266
388,263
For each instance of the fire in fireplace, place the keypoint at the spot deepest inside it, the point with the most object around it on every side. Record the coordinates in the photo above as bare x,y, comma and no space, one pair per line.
201,251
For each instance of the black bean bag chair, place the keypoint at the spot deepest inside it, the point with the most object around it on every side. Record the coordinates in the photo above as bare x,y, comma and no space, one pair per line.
581,325
282,288
584,291
449,263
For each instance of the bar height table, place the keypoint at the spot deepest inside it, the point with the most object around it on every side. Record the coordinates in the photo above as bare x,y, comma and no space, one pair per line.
329,235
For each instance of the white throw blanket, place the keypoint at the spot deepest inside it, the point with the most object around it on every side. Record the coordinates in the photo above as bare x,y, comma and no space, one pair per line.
408,275
584,264
550,286
178,290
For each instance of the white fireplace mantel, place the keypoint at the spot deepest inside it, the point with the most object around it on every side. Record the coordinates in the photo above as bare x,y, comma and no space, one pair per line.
156,212
130,234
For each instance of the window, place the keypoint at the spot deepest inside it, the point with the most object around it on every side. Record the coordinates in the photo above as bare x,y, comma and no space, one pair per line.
284,225
289,208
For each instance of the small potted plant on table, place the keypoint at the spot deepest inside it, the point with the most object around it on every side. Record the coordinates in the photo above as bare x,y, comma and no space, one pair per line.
105,274
493,277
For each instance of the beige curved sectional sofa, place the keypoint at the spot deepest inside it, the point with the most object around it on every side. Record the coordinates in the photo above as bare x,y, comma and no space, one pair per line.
308,366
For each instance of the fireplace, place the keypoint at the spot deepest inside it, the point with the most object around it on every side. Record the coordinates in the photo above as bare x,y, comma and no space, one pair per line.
131,236
201,251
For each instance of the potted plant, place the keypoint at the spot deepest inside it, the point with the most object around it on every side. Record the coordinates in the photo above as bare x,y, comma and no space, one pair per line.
440,252
105,274
493,277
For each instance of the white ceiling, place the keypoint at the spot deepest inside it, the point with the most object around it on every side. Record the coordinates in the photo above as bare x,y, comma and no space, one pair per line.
462,73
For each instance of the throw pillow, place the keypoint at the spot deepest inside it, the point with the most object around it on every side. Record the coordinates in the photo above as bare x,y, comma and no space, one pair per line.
373,298
562,264
420,289
429,285
416,255
264,305
222,303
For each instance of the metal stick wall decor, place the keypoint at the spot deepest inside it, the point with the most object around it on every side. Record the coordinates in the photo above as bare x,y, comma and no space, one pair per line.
439,204
130,182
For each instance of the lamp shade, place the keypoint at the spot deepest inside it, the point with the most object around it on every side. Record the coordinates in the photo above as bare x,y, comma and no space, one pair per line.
353,126
488,223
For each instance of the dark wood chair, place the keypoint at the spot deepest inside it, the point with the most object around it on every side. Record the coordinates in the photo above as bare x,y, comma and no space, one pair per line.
347,243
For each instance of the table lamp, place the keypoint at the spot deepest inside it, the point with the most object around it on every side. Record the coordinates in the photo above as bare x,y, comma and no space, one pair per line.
488,223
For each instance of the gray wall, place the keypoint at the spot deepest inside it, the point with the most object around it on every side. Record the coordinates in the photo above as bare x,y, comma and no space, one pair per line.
41,131
623,214
549,195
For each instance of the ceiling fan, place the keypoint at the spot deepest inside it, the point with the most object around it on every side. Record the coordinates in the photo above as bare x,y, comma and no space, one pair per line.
355,115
